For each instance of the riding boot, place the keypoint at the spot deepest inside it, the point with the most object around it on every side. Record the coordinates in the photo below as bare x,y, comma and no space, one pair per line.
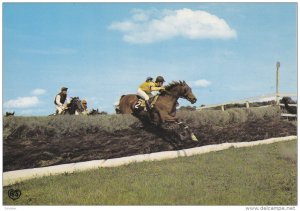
148,105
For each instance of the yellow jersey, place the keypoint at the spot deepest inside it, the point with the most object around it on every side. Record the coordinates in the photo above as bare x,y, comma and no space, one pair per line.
146,86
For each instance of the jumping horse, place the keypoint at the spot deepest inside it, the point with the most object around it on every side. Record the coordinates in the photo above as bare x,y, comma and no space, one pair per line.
164,109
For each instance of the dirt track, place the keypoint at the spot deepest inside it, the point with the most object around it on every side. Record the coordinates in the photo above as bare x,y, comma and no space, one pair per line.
46,151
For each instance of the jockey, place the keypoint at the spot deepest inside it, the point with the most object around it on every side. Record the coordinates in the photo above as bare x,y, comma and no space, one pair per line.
145,89
85,110
60,100
84,104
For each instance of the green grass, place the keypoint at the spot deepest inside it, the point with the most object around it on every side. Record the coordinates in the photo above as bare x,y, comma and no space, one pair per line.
260,175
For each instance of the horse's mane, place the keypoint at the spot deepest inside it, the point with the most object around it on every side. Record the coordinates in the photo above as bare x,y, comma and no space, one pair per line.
74,98
173,84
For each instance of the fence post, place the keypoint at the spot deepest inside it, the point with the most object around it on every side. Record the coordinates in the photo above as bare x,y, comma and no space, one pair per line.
222,108
247,104
277,82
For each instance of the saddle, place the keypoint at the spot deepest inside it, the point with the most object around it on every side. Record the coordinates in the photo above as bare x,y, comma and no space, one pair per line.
141,104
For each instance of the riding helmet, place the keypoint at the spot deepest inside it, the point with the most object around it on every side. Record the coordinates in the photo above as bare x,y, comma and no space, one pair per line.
64,89
149,78
159,79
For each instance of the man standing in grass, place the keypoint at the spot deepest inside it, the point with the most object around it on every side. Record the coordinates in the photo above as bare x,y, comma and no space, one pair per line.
60,100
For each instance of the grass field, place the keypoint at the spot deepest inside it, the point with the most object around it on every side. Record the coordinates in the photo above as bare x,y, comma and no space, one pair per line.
260,175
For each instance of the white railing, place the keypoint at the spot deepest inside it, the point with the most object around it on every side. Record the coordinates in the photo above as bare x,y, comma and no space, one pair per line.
244,101
287,95
252,99
293,105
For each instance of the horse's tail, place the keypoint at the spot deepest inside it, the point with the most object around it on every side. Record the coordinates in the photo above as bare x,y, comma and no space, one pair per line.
118,102
117,105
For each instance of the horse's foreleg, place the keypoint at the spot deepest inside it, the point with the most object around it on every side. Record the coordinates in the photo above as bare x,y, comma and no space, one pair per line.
164,116
193,137
168,118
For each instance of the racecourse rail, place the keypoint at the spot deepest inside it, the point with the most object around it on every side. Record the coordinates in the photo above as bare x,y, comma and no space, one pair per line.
251,99
13,177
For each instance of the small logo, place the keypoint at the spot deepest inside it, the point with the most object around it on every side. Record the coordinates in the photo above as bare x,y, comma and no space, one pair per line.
14,194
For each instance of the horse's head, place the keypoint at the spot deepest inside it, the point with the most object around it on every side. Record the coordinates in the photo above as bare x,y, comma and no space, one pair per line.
76,104
182,89
187,93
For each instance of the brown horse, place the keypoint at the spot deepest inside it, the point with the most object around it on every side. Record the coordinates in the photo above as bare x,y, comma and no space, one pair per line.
164,109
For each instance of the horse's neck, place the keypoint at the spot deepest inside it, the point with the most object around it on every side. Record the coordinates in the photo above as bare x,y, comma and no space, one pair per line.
171,97
174,93
71,109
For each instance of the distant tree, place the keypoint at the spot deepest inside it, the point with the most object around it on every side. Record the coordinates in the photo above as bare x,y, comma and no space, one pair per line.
286,101
10,114
96,112
187,108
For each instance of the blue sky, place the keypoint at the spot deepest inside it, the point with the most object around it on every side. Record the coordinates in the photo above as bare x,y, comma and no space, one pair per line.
225,51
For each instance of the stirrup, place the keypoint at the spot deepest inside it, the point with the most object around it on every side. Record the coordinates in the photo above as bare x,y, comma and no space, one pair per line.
149,108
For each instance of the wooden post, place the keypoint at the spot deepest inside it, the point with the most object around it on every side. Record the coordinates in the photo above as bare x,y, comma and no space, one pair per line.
277,82
222,108
247,104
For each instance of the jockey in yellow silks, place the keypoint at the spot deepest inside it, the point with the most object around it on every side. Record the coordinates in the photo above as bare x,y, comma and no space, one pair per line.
145,89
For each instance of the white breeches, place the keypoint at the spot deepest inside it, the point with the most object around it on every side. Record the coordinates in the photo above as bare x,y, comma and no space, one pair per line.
59,108
142,94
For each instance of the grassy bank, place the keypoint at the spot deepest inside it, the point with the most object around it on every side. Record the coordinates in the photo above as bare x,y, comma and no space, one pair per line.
260,175
54,126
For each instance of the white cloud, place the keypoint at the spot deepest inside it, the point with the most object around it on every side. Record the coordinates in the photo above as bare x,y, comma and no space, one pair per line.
153,26
22,102
140,15
201,83
38,92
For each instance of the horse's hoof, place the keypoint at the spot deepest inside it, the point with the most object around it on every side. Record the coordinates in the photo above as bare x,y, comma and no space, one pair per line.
194,138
